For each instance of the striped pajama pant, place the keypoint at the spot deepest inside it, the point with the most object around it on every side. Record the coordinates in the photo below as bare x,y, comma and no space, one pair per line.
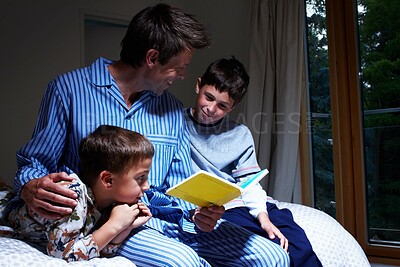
227,245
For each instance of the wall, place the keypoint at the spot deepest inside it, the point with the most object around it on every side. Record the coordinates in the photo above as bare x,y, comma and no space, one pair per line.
41,39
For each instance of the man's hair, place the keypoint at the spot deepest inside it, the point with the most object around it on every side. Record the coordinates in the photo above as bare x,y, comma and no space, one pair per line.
113,149
227,75
167,29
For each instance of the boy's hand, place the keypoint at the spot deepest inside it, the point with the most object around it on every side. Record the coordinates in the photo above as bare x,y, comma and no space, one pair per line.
206,218
143,216
272,231
118,226
48,198
122,216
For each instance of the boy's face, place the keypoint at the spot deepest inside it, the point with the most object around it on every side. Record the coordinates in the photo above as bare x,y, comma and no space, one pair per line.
128,187
211,105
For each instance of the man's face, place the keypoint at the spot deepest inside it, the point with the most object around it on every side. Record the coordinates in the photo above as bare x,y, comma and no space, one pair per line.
164,75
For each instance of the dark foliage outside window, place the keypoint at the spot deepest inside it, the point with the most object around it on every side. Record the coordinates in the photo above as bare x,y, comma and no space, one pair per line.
379,53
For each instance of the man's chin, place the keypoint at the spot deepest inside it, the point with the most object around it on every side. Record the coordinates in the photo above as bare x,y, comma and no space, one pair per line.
160,92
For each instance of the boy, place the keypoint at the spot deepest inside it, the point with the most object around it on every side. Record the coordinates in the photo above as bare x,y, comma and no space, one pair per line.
225,148
114,164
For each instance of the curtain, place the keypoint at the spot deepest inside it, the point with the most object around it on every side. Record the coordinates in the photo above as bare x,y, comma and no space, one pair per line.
272,105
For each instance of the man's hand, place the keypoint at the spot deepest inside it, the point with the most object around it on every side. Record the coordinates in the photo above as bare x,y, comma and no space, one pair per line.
48,198
206,218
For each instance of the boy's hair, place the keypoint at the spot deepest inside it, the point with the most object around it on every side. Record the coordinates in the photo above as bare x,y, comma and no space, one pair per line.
167,29
111,148
227,75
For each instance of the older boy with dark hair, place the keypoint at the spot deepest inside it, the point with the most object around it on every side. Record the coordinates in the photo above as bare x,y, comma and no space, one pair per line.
225,148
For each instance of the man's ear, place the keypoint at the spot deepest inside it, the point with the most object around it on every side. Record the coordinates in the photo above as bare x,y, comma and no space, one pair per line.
198,85
106,179
152,57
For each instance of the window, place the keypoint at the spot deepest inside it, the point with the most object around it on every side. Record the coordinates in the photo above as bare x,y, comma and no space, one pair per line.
354,105
379,46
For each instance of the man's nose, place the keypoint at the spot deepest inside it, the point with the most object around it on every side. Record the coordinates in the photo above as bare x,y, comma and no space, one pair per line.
181,75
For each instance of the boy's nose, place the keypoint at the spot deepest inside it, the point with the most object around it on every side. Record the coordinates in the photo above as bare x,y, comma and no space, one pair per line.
145,186
211,109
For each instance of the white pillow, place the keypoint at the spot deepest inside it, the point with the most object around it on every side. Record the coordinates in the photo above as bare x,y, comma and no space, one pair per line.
333,245
17,253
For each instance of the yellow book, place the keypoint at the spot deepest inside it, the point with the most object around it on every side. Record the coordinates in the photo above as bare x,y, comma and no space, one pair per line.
205,189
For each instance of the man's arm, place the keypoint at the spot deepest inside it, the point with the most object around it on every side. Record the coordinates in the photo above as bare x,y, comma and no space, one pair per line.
41,155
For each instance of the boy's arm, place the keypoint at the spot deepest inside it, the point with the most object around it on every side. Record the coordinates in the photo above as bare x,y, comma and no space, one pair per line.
143,216
106,240
67,237
271,230
255,200
122,220
246,165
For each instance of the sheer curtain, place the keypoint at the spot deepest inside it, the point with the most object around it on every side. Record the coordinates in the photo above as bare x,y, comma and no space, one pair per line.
272,106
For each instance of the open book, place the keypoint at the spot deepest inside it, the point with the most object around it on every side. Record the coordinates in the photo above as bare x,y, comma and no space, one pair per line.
205,189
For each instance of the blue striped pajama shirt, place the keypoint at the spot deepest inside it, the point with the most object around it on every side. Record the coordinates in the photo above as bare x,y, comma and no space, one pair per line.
75,104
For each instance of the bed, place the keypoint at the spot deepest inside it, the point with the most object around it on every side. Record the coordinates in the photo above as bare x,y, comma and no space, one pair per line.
334,246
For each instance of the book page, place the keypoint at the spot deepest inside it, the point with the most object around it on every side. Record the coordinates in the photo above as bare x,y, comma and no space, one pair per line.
203,190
